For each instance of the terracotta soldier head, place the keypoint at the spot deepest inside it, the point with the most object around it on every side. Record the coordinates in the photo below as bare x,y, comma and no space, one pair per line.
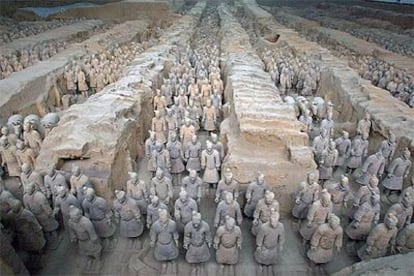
274,218
229,223
155,201
120,196
269,197
228,176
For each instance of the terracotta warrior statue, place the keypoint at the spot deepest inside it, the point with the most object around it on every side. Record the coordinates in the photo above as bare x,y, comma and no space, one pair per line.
379,239
364,125
161,159
405,239
187,132
209,119
164,239
210,163
25,155
82,233
159,126
149,149
193,154
269,241
227,184
264,208
317,215
227,207
96,209
403,210
32,137
197,242
255,192
193,185
63,201
137,190
161,186
53,180
373,166
176,154
307,194
397,171
327,163
217,145
36,202
364,194
28,231
388,148
366,217
356,154
326,237
8,157
227,242
129,216
153,210
183,209
343,145
29,175
78,182
340,192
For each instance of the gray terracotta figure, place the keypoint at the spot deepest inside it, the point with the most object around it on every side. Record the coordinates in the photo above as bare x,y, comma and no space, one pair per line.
209,119
183,209
227,242
149,148
227,207
356,154
53,180
159,126
187,132
405,239
217,145
227,184
197,242
161,186
63,201
137,190
364,219
176,154
317,215
307,193
255,191
78,182
364,125
328,124
373,166
29,234
8,157
82,85
193,154
270,240
403,210
364,194
129,216
263,210
193,185
172,122
343,145
25,155
153,210
164,239
29,175
340,191
97,210
32,137
397,171
326,238
161,159
36,202
328,161
82,233
210,163
380,239
388,148
320,143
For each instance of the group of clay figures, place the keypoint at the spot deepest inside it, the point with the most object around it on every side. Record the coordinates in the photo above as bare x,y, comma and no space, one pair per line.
16,30
91,74
21,139
29,56
381,74
320,201
292,73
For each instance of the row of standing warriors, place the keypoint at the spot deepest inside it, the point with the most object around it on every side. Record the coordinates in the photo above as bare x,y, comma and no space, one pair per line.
33,221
